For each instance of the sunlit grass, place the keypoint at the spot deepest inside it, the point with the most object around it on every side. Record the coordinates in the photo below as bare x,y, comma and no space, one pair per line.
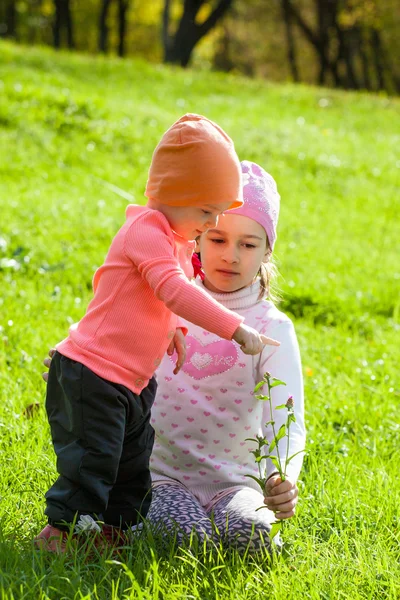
69,126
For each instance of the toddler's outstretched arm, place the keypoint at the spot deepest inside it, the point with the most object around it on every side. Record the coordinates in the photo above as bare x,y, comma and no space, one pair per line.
252,342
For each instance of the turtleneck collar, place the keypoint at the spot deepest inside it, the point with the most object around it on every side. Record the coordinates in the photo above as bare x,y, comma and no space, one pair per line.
242,299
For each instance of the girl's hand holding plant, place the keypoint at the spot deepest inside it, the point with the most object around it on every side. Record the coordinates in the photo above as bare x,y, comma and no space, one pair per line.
281,496
280,493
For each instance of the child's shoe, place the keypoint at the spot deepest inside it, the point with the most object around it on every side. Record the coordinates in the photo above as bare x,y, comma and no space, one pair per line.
51,539
86,531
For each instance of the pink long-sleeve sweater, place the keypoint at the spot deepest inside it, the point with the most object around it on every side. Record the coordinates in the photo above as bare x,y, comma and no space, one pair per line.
139,292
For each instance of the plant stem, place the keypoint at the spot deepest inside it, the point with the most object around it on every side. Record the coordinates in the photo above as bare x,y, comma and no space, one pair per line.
288,441
273,430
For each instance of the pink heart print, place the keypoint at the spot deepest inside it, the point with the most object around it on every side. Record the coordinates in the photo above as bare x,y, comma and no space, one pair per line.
204,360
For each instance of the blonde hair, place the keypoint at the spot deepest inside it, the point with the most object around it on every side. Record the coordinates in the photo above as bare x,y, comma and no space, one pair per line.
268,274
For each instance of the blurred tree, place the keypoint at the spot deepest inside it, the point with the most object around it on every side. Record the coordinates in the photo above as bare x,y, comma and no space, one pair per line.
63,21
290,41
346,43
347,34
8,19
123,6
103,26
178,48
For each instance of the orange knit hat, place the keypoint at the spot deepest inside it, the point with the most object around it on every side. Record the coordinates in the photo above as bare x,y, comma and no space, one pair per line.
195,163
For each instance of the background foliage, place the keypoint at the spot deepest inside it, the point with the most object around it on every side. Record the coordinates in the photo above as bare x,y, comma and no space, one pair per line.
342,43
72,128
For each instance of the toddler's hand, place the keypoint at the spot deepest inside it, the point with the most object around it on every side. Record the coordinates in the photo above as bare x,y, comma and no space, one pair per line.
252,342
281,496
47,363
178,343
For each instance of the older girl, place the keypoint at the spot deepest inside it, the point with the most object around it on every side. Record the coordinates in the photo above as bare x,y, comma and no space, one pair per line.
203,415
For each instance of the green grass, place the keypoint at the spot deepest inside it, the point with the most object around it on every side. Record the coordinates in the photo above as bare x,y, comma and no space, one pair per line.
68,124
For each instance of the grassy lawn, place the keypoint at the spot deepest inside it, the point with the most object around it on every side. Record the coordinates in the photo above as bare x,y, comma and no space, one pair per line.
71,127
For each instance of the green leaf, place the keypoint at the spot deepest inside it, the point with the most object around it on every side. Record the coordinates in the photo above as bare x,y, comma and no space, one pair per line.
277,464
293,455
251,440
261,482
280,406
264,456
281,433
275,528
291,418
259,386
269,423
262,398
276,382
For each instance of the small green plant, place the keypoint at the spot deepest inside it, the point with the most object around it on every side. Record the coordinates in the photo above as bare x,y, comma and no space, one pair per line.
284,430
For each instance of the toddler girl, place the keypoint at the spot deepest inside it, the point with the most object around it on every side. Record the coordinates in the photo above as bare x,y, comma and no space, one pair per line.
101,385
203,417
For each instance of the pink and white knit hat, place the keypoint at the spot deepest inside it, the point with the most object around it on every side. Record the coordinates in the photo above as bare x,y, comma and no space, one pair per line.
261,199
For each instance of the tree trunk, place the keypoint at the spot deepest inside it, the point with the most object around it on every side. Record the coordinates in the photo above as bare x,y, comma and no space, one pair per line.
57,24
122,10
366,80
10,20
166,39
378,61
347,54
313,38
103,28
179,48
69,25
291,49
63,21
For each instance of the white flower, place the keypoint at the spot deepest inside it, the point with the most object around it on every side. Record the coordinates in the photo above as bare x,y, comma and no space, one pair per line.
86,523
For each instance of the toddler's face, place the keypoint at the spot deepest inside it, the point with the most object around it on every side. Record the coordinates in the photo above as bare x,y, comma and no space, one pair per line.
191,221
231,254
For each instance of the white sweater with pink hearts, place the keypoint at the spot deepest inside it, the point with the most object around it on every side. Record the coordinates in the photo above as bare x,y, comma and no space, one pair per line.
203,415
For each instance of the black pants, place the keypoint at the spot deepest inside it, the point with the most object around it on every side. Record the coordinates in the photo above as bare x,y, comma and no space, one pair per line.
103,440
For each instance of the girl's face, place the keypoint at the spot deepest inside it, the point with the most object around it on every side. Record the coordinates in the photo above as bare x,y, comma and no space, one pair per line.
231,253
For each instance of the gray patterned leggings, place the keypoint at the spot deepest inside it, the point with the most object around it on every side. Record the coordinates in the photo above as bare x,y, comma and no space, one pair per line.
233,519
